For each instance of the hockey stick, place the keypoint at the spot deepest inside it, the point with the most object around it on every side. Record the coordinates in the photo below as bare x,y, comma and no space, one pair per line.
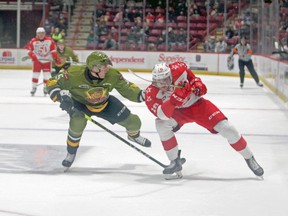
125,141
130,71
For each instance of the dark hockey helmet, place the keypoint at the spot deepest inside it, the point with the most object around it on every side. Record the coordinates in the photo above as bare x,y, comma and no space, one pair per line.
97,59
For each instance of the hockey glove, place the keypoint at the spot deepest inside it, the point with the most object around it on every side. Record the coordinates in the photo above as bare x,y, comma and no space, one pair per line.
66,102
58,61
198,87
141,96
178,97
25,58
66,65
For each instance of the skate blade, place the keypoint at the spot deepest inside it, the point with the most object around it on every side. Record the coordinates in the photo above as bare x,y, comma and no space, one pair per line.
66,169
260,178
176,175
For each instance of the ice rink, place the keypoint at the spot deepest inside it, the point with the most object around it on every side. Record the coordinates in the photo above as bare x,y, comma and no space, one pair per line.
109,178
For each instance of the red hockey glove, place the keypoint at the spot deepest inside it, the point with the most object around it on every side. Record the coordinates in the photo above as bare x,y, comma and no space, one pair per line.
198,87
58,61
56,58
180,94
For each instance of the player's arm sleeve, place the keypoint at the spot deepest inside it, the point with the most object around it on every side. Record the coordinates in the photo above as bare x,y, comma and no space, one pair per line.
31,53
162,110
249,50
127,89
54,86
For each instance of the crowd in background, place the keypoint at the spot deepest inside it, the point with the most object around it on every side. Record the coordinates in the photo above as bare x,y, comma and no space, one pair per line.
122,25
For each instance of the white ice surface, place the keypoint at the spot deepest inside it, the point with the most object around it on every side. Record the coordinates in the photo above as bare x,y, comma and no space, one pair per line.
110,178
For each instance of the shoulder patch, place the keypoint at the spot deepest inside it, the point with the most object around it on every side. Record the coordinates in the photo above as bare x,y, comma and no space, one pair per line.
51,82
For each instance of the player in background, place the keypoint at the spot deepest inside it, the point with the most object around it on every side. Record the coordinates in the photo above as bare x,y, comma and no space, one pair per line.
41,48
86,89
243,49
66,55
176,106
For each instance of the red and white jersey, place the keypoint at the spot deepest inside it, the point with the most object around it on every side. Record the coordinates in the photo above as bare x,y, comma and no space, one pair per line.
42,48
154,97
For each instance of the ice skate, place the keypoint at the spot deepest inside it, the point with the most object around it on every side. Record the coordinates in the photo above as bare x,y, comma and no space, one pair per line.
241,85
173,171
255,167
33,91
260,84
140,140
68,161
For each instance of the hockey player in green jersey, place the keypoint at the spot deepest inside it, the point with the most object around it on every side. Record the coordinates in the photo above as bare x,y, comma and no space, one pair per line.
85,89
66,55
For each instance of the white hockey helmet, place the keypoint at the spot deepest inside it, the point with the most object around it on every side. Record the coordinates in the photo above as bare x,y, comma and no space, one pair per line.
161,76
40,29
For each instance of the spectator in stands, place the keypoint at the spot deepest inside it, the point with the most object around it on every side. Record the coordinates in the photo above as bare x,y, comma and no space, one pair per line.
284,23
100,10
209,44
247,18
110,43
131,36
221,8
48,27
214,11
229,33
181,37
57,35
221,45
130,45
172,38
141,36
238,24
102,27
92,40
195,11
171,14
118,17
162,37
56,6
159,18
152,47
128,15
181,6
284,3
150,18
114,33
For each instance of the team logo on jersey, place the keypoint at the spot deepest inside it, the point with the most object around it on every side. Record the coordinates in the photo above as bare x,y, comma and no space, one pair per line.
96,95
106,84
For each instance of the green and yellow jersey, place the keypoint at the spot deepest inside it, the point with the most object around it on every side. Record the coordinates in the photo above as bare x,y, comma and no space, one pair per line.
91,92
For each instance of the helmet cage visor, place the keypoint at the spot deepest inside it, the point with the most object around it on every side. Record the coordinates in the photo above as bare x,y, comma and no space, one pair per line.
100,67
163,83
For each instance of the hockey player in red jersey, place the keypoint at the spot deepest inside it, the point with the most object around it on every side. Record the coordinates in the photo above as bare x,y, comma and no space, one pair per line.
41,48
175,98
